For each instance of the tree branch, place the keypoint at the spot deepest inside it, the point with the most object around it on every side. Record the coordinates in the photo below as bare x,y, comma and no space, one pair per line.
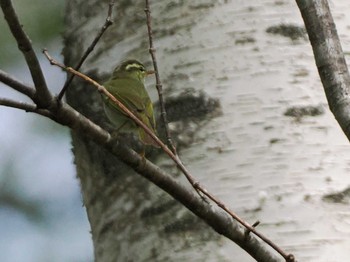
159,85
26,107
42,96
329,58
11,81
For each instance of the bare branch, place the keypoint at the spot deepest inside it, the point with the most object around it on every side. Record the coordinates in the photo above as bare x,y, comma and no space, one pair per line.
329,58
159,85
42,96
12,82
25,106
107,24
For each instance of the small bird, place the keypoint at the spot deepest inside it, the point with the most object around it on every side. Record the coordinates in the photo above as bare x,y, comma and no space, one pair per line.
127,85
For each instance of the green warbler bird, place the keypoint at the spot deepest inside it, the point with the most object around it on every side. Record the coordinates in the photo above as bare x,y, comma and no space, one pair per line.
127,85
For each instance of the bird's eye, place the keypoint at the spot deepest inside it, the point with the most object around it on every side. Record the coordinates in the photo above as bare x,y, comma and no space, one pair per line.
142,69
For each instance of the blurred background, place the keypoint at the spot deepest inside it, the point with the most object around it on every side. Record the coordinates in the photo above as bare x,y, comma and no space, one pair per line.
41,212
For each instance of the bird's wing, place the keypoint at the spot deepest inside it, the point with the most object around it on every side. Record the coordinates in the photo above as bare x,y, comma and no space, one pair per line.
135,97
148,119
127,95
149,113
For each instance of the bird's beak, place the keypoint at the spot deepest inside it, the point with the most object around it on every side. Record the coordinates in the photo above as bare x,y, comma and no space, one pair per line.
150,72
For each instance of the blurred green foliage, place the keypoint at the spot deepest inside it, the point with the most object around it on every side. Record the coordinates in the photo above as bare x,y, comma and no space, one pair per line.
42,20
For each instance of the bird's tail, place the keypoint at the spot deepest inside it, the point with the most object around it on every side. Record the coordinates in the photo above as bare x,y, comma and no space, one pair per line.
146,138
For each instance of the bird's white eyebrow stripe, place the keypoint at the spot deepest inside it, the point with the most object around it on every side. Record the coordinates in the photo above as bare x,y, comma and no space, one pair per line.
134,65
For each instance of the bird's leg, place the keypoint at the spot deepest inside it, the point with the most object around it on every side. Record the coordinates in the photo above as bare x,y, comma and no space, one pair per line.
143,154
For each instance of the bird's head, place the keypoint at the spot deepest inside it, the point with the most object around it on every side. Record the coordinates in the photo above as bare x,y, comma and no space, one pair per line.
131,69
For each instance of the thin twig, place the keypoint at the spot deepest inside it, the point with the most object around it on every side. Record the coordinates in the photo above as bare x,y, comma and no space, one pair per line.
159,85
107,23
16,84
25,106
42,96
178,162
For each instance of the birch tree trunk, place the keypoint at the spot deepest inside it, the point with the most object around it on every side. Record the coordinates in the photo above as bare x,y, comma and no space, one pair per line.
263,164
